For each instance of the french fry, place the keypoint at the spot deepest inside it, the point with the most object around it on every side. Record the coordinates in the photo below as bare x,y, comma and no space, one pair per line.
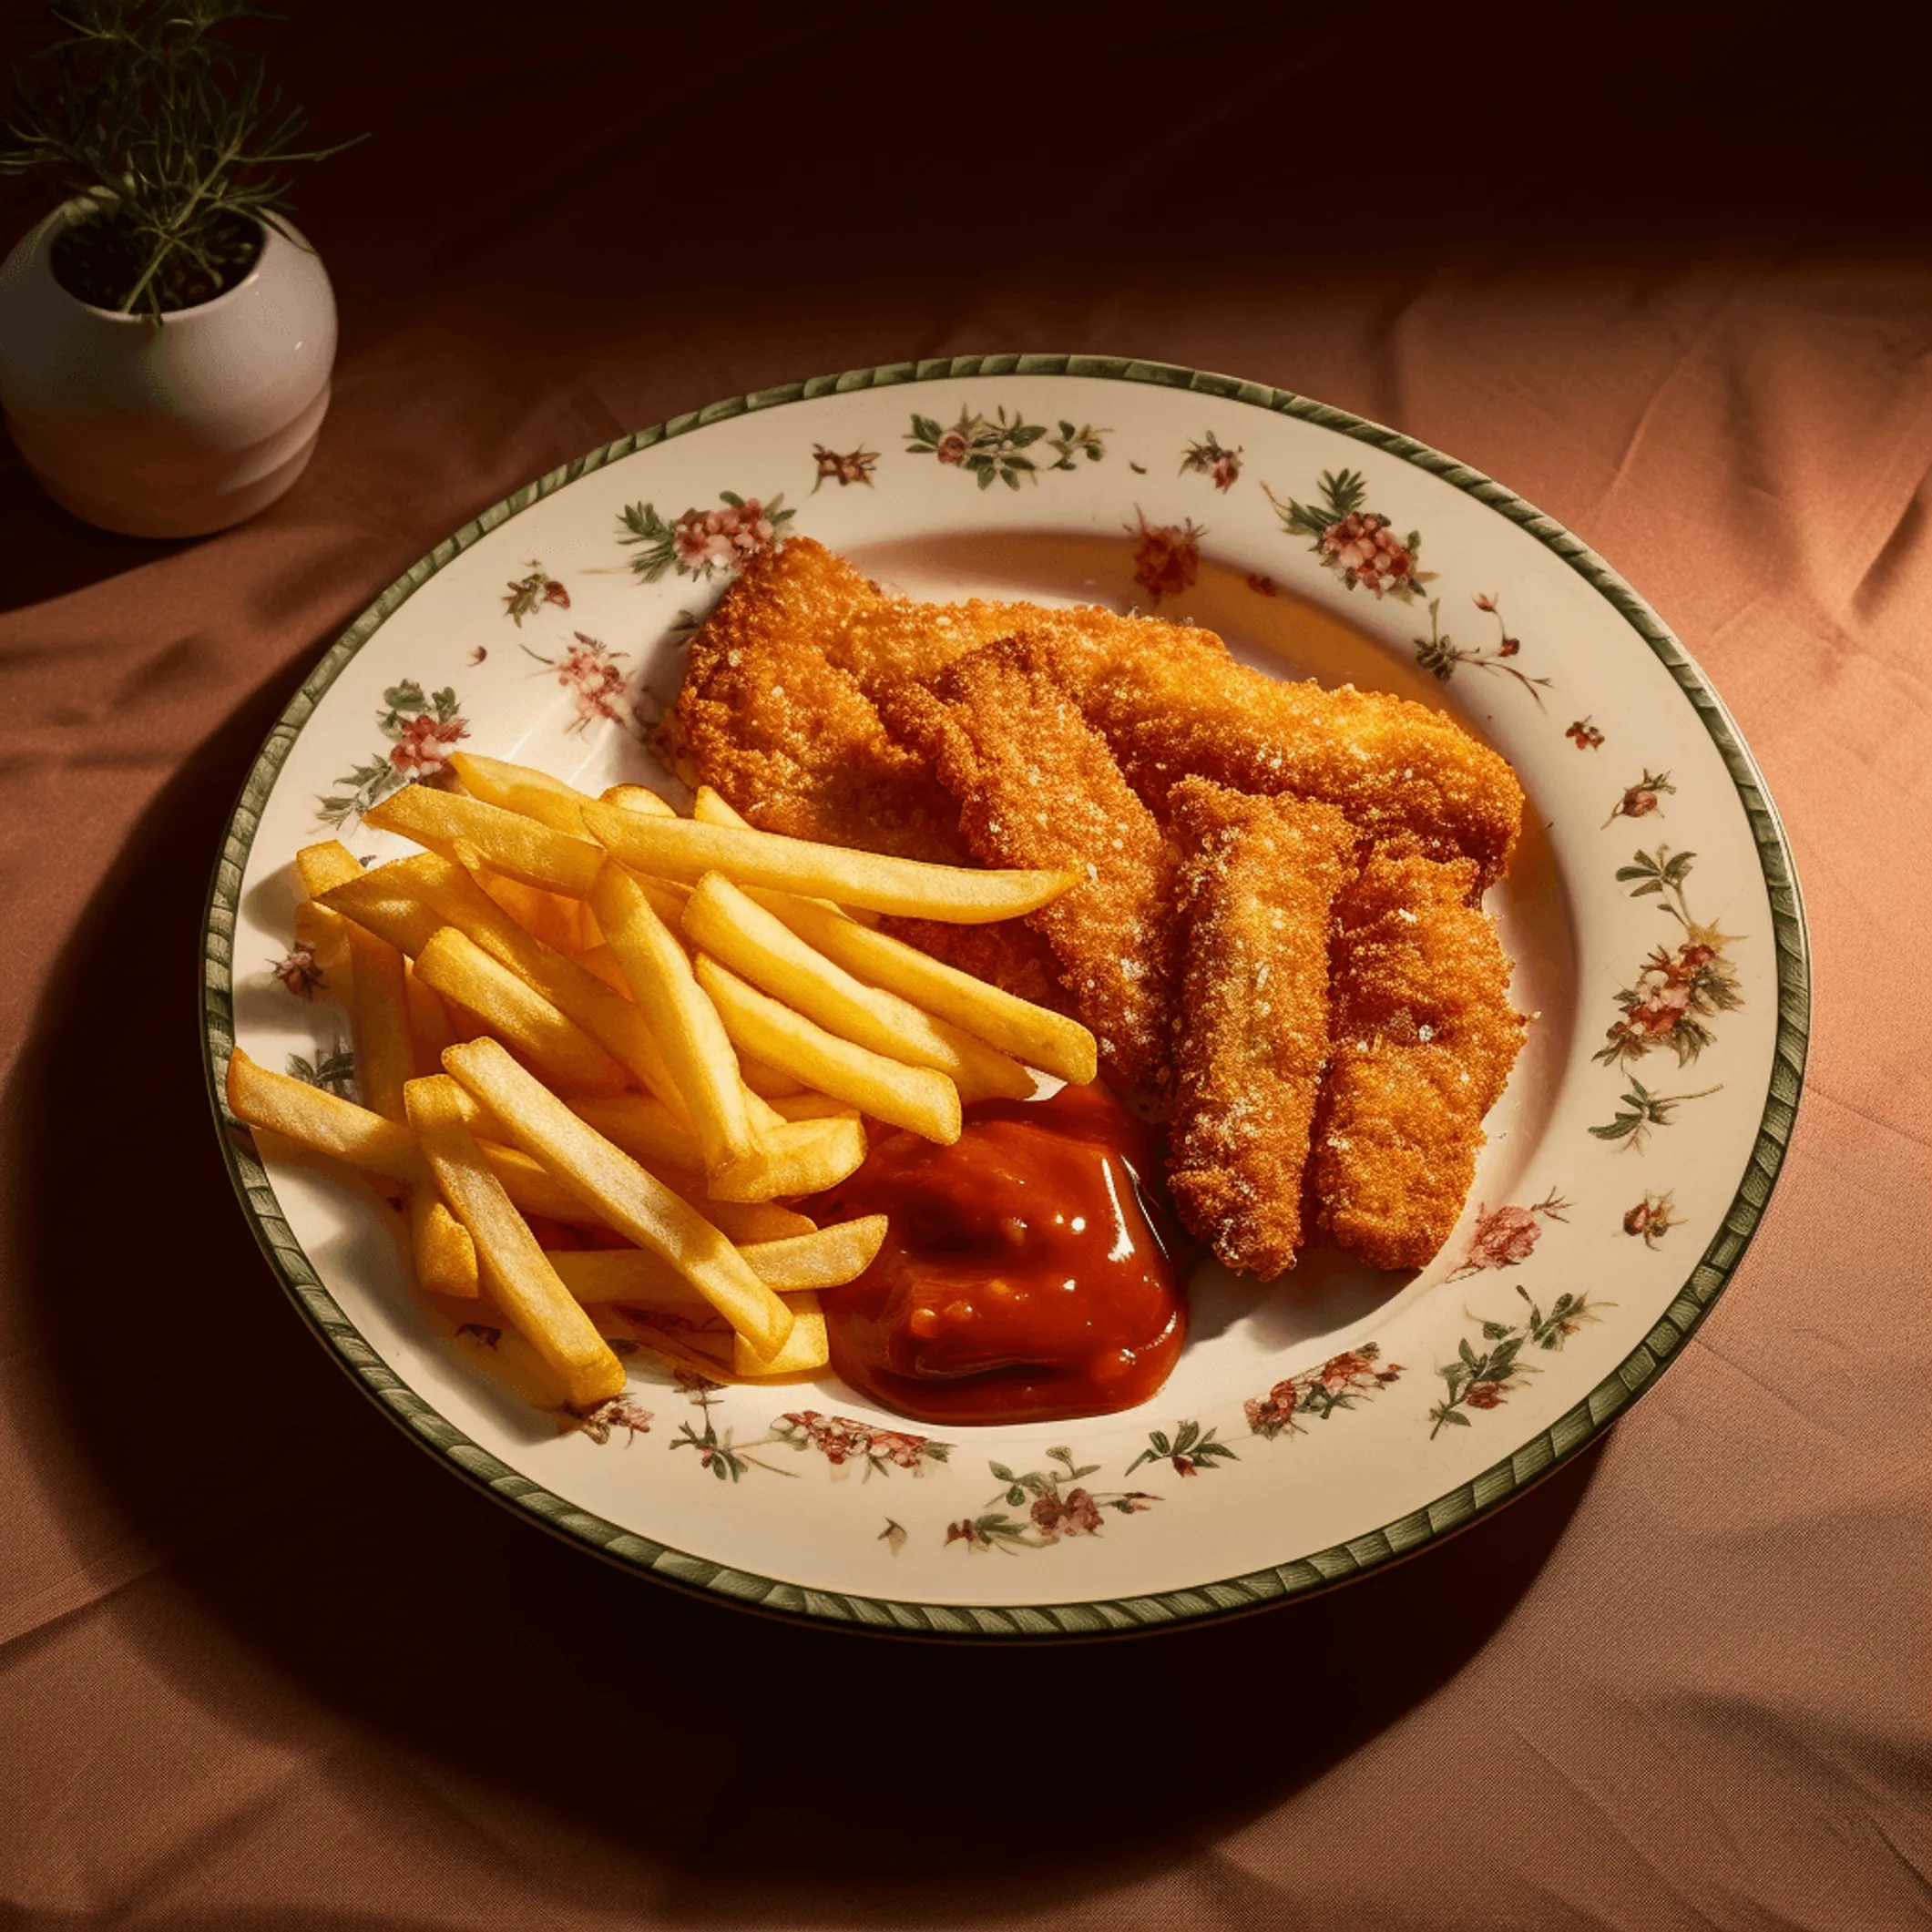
729,925
806,1348
452,964
712,808
312,1121
322,1122
810,1106
647,1129
520,1281
605,965
323,864
613,1020
379,1012
521,789
600,1277
696,1048
317,868
270,1145
630,1199
438,891
327,939
445,1256
548,916
910,1096
388,901
677,848
1035,1035
520,848
769,1083
824,1260
638,798
431,1029
683,1350
534,1190
803,1157
746,1222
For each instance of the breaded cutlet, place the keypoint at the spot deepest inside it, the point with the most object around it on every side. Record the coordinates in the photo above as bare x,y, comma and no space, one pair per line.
801,625
1258,885
770,717
1423,1038
1036,786
1172,710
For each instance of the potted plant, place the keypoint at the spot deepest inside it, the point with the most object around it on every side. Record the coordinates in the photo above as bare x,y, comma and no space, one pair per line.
166,335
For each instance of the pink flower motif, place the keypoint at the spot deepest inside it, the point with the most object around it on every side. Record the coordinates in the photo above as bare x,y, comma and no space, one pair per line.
1343,1371
751,529
702,542
298,971
1366,551
423,750
954,448
1487,1394
590,672
1502,1237
1226,471
1167,558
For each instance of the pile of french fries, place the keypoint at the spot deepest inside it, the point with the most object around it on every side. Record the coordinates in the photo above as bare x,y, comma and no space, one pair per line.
596,1014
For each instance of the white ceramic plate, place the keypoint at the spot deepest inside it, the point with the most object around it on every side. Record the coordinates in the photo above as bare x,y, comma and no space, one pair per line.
1311,1430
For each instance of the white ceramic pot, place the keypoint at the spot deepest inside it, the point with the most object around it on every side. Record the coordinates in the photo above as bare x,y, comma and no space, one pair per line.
172,429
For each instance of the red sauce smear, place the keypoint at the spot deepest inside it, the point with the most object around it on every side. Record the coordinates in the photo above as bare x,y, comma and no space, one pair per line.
1026,1275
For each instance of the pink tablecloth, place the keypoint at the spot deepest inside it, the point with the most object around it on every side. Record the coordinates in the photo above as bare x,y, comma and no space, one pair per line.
261,1664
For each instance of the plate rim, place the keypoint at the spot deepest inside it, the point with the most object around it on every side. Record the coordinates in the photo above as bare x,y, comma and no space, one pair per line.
1298,1576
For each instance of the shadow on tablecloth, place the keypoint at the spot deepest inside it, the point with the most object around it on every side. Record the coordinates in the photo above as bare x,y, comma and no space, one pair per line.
745,1764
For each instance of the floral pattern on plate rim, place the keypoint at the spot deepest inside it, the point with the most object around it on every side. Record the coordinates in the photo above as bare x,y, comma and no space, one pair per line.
1060,1506
589,672
1439,656
1486,1381
994,448
1359,545
423,730
700,542
1340,1383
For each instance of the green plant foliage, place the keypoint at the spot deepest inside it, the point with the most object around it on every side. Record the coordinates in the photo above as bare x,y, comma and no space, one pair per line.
170,131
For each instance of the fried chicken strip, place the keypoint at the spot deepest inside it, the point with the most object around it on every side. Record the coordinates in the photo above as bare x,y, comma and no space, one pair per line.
1172,707
1037,786
801,628
1423,1040
1257,890
768,716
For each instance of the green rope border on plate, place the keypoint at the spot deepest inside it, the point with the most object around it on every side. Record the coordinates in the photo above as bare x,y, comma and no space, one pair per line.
1456,1510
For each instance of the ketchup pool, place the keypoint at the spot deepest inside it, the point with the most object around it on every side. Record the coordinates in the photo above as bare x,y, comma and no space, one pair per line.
1030,1272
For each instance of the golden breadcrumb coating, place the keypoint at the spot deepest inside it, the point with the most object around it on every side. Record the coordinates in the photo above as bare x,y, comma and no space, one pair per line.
1258,887
1257,890
1423,1040
776,711
768,717
1172,707
1038,787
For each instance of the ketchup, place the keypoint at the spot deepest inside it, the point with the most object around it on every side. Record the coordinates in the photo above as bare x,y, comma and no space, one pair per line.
1025,1276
